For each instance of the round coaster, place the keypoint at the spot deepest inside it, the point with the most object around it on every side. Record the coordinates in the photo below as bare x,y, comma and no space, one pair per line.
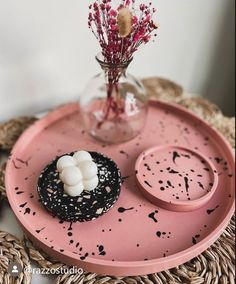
176,178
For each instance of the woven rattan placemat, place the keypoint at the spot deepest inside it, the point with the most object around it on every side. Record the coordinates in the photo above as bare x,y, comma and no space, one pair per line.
216,265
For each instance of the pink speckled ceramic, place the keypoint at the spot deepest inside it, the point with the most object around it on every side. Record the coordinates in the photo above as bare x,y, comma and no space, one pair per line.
176,178
135,237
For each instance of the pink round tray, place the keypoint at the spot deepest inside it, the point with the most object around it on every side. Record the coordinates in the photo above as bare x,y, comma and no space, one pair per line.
176,178
136,237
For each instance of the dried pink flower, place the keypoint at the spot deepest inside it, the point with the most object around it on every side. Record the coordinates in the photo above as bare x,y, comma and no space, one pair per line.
123,30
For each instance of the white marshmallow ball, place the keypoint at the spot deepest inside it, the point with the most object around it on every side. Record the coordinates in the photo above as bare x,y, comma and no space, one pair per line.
74,191
91,184
89,169
82,156
71,176
65,162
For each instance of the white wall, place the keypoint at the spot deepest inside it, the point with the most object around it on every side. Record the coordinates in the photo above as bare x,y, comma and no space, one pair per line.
47,52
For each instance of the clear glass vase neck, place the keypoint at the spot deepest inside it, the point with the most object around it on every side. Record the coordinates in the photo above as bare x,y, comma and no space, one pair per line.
111,67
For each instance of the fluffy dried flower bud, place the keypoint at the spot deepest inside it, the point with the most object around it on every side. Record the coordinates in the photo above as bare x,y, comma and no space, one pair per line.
124,22
156,26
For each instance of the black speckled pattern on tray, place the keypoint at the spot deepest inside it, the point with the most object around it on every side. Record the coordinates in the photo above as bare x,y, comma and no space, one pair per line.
89,205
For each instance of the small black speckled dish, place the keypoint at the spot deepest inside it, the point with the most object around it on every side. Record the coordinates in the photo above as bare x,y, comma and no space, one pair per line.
90,204
176,178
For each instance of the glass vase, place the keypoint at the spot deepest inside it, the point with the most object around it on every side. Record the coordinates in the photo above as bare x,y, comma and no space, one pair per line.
114,104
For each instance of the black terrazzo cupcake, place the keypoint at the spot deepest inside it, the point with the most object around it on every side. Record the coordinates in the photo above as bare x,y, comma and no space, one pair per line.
89,205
